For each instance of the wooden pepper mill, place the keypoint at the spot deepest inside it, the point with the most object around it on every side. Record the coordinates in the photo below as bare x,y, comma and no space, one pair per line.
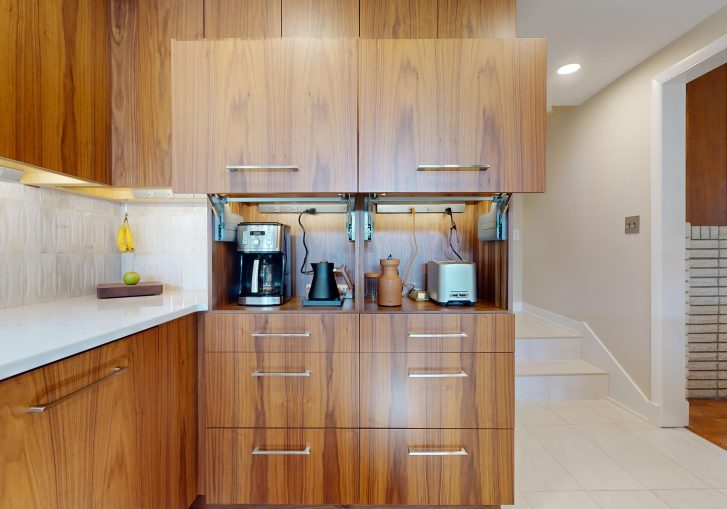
390,284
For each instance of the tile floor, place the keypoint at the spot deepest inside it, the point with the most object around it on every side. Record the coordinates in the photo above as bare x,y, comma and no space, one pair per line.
594,455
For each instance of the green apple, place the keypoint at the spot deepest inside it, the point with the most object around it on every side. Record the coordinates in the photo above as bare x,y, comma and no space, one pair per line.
131,278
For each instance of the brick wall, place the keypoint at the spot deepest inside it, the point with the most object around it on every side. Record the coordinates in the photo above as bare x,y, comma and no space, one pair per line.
707,311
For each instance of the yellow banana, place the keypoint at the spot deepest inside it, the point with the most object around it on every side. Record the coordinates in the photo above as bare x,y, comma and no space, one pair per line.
129,237
121,238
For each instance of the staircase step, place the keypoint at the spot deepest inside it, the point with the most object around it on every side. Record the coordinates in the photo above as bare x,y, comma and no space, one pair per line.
529,326
547,349
558,367
559,380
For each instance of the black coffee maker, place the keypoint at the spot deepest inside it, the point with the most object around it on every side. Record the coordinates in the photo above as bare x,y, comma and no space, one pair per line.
264,275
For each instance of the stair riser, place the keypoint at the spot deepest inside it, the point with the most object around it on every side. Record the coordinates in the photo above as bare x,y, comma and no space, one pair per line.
561,387
547,349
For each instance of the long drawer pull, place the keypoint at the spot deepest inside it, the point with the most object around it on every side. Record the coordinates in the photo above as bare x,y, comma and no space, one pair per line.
416,335
453,167
259,373
262,452
261,167
281,334
437,452
458,374
39,409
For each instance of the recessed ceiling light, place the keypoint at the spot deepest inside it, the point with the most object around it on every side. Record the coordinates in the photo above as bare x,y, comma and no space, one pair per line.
569,69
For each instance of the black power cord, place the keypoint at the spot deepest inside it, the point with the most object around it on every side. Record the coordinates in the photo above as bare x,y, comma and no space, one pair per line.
452,229
305,245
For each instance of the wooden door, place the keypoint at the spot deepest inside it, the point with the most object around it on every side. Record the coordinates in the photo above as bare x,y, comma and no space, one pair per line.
55,105
166,413
27,470
140,56
281,466
462,116
265,116
436,467
77,449
398,19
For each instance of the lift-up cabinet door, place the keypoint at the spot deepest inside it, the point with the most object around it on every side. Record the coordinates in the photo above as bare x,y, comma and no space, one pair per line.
446,115
264,116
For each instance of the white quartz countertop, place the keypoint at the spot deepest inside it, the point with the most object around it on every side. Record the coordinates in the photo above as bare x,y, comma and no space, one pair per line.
38,334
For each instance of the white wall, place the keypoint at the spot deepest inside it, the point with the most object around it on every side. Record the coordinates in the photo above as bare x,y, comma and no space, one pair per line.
577,261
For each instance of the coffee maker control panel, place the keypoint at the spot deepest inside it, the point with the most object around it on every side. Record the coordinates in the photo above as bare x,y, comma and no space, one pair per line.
260,237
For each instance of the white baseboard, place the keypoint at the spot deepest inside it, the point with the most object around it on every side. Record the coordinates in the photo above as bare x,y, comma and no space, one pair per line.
621,387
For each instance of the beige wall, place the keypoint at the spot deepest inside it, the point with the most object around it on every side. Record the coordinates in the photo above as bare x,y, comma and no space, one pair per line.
577,261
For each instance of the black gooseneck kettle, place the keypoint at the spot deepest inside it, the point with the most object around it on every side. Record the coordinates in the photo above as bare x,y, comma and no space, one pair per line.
324,285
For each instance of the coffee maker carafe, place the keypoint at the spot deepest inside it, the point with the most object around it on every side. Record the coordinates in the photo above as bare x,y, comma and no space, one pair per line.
264,275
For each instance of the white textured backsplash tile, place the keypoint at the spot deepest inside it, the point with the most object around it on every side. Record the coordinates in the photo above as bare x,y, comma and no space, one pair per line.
171,244
56,245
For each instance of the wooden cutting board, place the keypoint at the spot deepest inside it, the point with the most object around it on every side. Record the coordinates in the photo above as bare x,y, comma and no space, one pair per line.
116,290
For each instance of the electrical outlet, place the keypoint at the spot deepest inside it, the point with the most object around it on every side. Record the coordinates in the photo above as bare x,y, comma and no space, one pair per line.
632,225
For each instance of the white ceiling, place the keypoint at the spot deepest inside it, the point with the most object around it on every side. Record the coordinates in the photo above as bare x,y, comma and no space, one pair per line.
607,37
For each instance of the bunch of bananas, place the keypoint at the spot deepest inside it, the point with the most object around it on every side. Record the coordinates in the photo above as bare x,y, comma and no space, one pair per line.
124,238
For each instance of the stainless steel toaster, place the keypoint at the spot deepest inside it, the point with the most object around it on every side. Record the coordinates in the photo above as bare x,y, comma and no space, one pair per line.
452,282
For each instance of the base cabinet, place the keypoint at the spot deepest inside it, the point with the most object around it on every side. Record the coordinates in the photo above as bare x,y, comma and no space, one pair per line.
281,466
436,467
78,452
113,428
370,409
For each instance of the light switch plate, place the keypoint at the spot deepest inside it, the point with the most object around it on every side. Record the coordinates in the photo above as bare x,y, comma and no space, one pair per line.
632,224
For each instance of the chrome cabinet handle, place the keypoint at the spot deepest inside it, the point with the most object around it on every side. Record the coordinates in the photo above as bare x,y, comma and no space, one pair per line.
437,452
262,452
281,334
453,167
415,335
261,167
459,374
259,373
39,409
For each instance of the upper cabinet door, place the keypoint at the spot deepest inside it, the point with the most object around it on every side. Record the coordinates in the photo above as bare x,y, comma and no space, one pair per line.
460,116
264,116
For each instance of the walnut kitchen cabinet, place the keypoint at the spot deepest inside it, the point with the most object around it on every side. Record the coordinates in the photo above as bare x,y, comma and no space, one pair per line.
55,92
113,428
370,408
264,116
437,409
457,116
281,407
440,467
78,449
141,34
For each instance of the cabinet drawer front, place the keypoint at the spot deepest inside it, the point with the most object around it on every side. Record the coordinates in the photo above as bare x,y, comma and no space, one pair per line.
436,467
286,466
446,390
279,390
438,332
268,332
